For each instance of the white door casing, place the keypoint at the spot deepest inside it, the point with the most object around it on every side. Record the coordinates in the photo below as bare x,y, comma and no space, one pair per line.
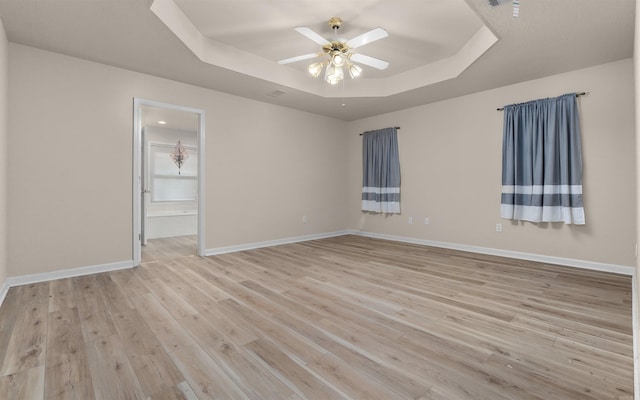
138,189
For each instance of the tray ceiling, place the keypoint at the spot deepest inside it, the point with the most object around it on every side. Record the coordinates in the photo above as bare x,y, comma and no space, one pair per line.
438,49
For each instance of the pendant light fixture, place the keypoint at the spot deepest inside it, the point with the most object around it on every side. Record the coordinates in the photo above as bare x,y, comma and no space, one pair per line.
179,155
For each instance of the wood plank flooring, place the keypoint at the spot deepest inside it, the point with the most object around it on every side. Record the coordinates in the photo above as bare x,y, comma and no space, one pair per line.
340,318
166,248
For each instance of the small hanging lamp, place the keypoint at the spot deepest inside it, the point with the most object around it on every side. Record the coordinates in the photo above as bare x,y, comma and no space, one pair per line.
179,155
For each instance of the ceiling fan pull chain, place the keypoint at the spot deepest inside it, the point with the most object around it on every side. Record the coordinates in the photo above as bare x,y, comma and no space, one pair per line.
516,8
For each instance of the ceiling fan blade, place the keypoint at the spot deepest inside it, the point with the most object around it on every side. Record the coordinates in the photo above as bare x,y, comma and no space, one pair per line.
303,30
370,61
365,38
298,58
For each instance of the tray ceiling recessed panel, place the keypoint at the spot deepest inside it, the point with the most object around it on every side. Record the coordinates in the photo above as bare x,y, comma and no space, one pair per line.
442,37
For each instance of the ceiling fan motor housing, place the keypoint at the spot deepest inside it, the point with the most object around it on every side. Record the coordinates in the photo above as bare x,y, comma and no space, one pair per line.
332,47
338,52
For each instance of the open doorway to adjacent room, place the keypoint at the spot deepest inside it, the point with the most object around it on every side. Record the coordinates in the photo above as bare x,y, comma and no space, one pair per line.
168,166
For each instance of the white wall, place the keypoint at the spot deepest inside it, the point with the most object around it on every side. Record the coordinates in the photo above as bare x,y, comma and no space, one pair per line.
70,171
450,155
3,154
267,166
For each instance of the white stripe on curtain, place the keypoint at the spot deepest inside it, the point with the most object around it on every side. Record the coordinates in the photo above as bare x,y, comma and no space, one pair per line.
542,161
540,189
567,215
381,190
390,207
381,171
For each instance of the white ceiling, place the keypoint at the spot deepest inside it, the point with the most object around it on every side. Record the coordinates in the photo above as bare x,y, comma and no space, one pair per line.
428,45
419,35
549,37
173,119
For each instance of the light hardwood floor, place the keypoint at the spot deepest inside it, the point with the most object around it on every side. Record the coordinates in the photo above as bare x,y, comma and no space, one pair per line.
166,248
339,318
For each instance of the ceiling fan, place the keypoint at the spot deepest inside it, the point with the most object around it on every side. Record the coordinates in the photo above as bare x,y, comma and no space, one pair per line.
338,53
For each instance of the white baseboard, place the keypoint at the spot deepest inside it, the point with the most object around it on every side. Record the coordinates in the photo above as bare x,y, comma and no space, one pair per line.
66,273
568,262
269,243
3,292
613,268
73,272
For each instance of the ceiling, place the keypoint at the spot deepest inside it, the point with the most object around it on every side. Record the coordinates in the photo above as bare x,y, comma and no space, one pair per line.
437,49
168,119
420,35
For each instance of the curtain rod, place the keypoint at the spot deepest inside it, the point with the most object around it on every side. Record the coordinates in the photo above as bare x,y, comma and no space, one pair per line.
577,95
397,127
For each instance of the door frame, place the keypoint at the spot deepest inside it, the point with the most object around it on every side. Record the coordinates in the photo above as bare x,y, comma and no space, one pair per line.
137,172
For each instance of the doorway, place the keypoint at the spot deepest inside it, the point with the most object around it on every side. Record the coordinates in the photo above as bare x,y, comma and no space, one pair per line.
168,218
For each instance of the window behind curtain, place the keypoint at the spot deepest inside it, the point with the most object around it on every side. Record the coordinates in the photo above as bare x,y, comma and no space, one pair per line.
542,161
381,171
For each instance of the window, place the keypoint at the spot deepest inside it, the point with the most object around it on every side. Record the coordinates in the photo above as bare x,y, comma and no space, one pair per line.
381,171
542,161
165,182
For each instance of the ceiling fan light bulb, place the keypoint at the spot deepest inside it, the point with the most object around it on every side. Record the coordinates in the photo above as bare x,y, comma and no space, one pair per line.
336,75
315,69
331,69
338,59
331,79
355,71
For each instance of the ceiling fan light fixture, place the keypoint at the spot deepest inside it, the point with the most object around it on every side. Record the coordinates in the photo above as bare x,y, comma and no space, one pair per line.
354,71
334,74
315,69
329,71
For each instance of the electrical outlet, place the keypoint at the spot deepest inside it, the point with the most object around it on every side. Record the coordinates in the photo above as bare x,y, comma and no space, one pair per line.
498,227
410,220
426,220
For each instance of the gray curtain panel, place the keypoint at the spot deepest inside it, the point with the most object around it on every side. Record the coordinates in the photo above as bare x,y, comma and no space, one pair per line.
381,171
542,161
